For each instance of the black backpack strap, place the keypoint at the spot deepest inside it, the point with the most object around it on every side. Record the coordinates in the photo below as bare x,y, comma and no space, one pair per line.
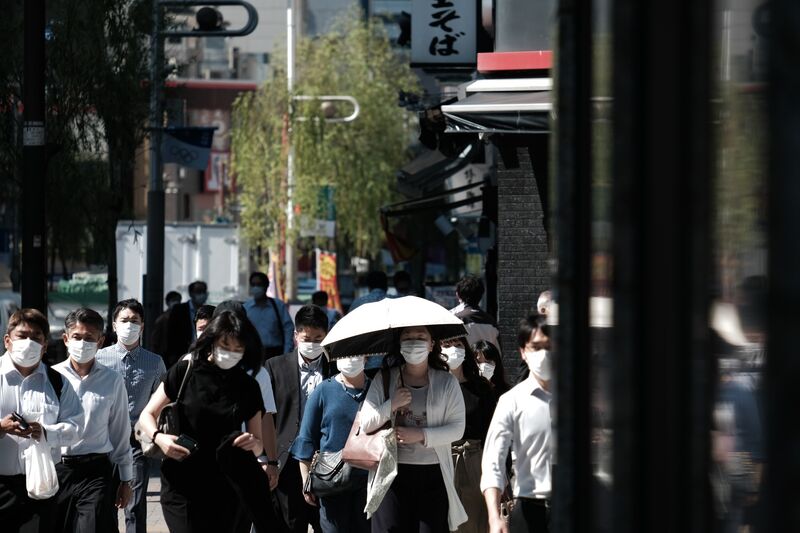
56,380
280,322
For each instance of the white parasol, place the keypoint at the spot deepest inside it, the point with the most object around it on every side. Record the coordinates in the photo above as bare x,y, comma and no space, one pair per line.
370,328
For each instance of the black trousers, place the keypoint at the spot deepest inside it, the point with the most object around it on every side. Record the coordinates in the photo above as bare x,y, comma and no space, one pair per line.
416,501
196,497
84,499
251,486
292,510
136,510
530,516
21,514
213,491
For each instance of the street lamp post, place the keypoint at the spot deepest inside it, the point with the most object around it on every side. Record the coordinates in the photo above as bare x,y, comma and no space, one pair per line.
289,253
208,27
154,279
291,260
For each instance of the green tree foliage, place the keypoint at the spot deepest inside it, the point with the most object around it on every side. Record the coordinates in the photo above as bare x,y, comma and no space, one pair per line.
740,216
357,160
97,105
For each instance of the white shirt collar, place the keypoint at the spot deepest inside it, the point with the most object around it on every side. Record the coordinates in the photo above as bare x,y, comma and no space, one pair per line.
7,365
67,364
310,366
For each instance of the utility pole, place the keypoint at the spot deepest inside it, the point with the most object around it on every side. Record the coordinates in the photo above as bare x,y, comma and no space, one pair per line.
34,164
154,280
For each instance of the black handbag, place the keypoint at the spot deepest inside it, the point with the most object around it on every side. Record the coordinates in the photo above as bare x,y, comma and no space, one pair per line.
329,475
167,422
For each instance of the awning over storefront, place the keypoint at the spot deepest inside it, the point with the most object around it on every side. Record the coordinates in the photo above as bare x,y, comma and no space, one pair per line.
428,171
502,106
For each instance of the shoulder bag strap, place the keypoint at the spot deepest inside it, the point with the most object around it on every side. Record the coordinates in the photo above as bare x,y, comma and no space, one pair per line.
280,321
386,386
185,379
56,381
385,376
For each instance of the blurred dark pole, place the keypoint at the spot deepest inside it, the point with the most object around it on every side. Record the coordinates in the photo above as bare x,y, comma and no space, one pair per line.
782,363
34,231
663,162
572,484
154,282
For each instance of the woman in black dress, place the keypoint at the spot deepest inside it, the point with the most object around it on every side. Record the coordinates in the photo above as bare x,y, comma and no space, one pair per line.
479,403
218,396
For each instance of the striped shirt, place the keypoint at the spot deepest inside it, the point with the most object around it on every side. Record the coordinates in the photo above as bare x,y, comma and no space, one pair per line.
142,371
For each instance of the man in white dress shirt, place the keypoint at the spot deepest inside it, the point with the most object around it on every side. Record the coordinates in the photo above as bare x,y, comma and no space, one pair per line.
51,412
85,471
521,423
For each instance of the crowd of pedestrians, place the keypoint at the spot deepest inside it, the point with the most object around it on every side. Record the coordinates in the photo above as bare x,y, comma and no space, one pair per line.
244,411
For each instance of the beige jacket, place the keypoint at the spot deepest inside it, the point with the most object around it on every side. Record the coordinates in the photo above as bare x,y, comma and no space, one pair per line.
446,419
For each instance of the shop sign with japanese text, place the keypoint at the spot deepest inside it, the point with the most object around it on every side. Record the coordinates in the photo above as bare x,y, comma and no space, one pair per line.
443,32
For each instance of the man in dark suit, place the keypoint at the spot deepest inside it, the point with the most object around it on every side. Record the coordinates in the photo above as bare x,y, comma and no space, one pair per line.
180,332
294,376
158,339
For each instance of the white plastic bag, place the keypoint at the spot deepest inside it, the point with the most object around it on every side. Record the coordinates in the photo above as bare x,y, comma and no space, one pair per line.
40,471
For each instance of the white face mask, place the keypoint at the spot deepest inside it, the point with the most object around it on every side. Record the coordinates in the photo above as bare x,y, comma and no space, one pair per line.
414,352
198,332
226,359
486,370
128,332
350,366
81,351
309,350
25,352
539,363
455,356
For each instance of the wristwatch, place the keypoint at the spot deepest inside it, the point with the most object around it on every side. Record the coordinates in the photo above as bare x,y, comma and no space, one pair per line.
264,460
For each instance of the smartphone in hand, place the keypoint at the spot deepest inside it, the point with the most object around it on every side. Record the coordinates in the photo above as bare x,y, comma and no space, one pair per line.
23,424
187,442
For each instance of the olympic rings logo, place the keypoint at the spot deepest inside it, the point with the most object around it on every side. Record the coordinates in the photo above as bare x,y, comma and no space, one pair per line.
185,155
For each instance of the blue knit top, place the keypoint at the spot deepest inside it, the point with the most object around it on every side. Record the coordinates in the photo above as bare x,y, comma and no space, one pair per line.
328,417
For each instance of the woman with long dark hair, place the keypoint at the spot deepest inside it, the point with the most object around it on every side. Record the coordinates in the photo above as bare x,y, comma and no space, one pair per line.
426,403
490,366
479,403
218,397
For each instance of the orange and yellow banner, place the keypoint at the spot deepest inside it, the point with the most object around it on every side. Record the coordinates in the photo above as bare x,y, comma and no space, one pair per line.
327,280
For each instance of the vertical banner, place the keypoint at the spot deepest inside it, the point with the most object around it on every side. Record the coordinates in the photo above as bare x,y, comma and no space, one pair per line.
326,278
217,172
